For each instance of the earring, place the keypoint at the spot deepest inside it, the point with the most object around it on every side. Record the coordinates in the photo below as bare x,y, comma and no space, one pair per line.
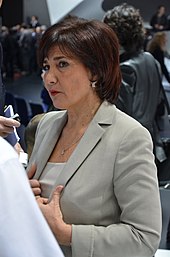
93,84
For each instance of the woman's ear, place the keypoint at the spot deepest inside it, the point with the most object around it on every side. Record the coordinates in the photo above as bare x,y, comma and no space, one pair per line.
92,76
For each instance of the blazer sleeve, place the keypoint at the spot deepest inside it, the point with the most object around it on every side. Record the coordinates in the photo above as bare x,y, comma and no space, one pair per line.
136,189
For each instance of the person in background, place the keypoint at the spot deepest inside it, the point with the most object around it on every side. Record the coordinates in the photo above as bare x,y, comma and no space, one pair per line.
6,124
157,47
140,72
24,231
159,20
34,22
96,157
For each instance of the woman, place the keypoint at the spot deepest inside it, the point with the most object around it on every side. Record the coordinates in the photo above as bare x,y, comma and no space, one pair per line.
157,47
95,180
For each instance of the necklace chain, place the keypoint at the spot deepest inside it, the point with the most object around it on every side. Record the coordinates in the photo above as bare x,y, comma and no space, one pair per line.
69,146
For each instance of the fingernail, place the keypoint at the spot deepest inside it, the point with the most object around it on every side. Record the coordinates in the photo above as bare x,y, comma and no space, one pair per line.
60,188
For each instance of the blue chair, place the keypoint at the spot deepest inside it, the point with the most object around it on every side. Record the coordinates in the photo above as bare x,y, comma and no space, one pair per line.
22,110
10,100
36,108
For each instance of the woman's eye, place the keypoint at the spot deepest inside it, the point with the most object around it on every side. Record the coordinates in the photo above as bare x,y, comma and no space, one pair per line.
63,64
45,68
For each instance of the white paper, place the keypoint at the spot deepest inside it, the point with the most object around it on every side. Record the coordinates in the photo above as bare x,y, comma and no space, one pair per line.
12,138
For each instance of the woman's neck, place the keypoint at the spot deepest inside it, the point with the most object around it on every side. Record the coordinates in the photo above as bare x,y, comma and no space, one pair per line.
82,115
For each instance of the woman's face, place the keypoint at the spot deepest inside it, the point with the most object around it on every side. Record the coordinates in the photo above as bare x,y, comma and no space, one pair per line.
67,80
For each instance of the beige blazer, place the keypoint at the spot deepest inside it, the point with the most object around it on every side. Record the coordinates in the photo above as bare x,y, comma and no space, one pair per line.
111,192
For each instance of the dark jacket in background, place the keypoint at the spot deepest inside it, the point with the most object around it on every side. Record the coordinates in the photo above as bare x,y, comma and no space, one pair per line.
140,91
2,89
160,21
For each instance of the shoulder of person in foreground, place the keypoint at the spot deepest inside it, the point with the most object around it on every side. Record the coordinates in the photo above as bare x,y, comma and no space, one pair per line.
22,223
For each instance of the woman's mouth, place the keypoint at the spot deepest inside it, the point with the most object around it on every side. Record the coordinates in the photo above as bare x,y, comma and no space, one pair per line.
53,92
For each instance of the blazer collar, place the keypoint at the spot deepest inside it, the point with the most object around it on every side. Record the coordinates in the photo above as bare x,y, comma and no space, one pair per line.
104,116
48,142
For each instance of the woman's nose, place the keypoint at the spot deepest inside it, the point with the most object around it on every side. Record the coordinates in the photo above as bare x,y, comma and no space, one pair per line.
50,78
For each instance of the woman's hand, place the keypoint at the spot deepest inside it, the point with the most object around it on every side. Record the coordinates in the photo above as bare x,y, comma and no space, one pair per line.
52,212
34,183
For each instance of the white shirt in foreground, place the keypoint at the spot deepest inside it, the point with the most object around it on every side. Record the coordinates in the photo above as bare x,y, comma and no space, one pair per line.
162,253
23,229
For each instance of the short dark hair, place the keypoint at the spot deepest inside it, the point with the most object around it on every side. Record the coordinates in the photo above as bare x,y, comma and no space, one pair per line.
94,44
127,23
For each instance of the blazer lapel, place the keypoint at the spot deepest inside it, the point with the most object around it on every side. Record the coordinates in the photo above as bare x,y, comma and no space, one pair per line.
51,137
95,131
